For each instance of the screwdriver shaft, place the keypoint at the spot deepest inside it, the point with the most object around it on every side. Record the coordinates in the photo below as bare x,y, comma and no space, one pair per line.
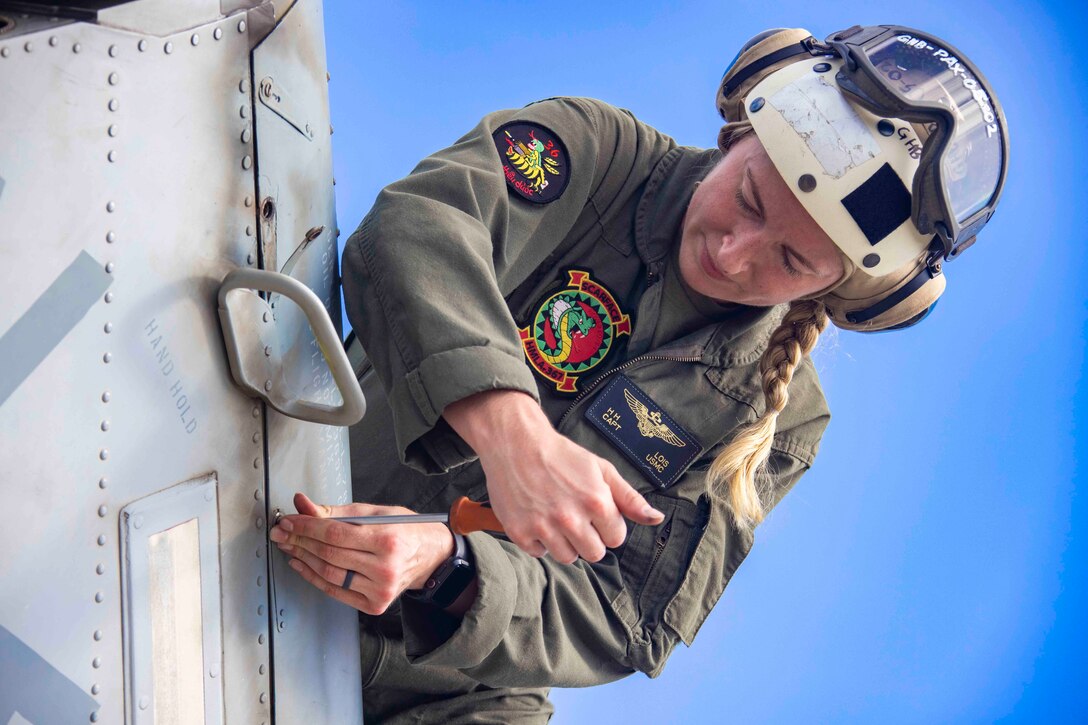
396,519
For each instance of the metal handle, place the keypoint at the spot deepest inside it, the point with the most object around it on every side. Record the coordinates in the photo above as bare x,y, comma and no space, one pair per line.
250,364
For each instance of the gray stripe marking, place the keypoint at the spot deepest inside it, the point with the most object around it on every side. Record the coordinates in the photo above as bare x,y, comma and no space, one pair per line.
1,185
49,320
35,689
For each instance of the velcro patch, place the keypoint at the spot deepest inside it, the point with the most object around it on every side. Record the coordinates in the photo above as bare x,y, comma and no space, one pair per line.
534,159
643,432
879,205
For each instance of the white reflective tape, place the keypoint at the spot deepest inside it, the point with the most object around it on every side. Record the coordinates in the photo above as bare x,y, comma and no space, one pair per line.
818,113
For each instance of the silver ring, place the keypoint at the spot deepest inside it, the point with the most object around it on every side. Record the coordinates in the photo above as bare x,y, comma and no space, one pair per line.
347,579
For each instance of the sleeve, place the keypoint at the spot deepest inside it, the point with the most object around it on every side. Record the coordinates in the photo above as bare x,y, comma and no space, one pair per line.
538,623
425,274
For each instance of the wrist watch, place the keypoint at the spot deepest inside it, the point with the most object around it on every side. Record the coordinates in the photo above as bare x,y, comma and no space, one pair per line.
449,580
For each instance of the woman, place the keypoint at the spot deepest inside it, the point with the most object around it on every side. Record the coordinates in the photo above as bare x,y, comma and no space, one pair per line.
567,314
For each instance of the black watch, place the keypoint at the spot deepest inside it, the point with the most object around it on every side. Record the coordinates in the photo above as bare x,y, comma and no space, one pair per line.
449,580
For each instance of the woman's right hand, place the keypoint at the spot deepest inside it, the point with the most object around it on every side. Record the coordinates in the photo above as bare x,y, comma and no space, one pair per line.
551,495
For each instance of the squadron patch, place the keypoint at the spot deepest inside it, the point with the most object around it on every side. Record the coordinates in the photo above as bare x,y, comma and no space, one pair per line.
643,432
572,331
534,160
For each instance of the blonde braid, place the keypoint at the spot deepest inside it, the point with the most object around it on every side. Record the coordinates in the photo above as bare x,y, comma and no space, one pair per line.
736,467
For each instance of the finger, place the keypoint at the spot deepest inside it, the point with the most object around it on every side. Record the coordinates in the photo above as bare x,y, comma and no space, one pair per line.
629,501
331,573
306,506
342,557
560,549
346,596
536,549
292,529
589,543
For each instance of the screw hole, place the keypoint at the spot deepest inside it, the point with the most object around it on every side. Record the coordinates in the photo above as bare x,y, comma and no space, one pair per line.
6,24
268,209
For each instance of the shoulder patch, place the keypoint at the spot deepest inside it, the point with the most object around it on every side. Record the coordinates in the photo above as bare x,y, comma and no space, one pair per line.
534,159
643,432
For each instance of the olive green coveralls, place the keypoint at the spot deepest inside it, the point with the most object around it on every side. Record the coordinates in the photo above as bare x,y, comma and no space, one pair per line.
438,279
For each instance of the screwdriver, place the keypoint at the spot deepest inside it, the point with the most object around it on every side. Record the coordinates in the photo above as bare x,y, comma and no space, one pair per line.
465,516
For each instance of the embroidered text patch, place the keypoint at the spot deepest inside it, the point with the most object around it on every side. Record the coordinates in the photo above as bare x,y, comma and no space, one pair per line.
643,432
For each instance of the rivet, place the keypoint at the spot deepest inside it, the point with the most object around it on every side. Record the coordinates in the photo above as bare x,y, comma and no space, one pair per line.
111,207
168,48
107,357
76,48
331,130
264,696
256,411
109,267
267,386
249,259
53,40
113,78
871,260
105,426
141,46
145,702
4,52
99,597
260,610
243,111
213,671
260,554
248,201
260,670
822,67
102,539
756,104
111,156
111,237
281,626
103,482
241,26
104,454
328,76
114,105
138,522
102,511
260,583
886,127
100,569
218,33
256,437
257,495
309,131
242,86
806,183
94,716
109,297
265,317
257,464
195,40
247,162
268,351
95,689
113,51
98,632
283,612
29,47
106,397
245,135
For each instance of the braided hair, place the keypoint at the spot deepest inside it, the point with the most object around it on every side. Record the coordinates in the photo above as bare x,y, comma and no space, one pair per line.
733,473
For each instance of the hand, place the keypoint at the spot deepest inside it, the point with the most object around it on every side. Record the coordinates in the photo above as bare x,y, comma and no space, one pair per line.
551,495
387,559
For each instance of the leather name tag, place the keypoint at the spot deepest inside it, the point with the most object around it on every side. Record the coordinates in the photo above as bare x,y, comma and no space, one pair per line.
643,432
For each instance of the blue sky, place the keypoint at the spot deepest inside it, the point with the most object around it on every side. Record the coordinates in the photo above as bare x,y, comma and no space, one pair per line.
931,566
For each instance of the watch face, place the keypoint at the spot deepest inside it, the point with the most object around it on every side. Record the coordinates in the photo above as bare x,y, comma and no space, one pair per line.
455,583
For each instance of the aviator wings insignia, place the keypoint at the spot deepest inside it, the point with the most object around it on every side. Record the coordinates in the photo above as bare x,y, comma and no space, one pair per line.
649,424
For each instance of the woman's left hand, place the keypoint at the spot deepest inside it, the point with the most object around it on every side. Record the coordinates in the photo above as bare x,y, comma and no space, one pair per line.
387,559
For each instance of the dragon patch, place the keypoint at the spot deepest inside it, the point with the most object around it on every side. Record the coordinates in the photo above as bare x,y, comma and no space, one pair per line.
573,330
534,160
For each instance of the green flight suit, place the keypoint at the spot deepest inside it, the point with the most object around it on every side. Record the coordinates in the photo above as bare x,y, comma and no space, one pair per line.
446,268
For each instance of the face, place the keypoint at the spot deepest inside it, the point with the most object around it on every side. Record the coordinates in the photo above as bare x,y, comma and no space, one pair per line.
747,239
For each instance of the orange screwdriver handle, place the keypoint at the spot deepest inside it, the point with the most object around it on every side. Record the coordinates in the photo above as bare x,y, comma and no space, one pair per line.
467,516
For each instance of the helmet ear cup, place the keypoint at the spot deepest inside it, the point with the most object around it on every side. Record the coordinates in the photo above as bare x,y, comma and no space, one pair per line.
860,295
760,56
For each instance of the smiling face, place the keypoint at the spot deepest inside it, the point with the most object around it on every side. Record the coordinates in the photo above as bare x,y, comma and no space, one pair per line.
747,239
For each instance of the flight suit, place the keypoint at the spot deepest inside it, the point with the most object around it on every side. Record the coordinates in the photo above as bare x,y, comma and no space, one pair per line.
452,283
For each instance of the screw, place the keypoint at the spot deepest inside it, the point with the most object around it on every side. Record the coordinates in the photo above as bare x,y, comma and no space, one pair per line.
756,104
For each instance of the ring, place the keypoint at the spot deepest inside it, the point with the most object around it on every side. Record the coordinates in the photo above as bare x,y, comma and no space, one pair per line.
347,579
